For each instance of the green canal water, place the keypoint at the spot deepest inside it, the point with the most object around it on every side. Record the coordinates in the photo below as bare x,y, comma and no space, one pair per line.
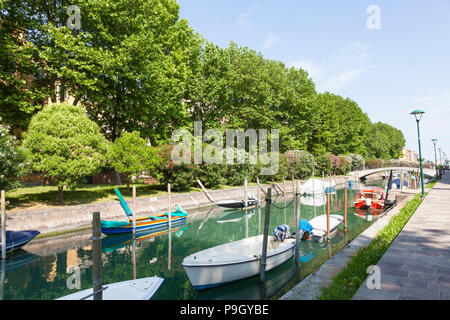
49,269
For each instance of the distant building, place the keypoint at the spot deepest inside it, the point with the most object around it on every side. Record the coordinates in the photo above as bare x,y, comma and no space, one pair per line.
409,155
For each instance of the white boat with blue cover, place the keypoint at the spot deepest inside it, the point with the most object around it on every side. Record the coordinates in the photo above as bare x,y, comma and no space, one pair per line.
139,289
235,261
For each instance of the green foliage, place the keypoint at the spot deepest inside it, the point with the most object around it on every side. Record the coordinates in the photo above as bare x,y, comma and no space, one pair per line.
301,163
12,161
357,161
65,145
348,281
180,176
278,159
323,165
385,141
131,155
211,175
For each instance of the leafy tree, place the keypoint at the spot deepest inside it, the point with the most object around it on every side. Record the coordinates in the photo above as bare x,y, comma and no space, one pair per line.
134,69
12,160
65,145
131,155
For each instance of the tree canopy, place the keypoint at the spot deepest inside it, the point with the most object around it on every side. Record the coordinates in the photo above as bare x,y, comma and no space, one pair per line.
136,66
65,145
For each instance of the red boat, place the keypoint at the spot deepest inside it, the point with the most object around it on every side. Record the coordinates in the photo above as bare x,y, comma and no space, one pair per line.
370,198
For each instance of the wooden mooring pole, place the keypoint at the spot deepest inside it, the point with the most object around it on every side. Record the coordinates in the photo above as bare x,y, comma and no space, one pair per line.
245,193
328,217
97,285
297,225
3,201
262,270
257,192
134,198
169,213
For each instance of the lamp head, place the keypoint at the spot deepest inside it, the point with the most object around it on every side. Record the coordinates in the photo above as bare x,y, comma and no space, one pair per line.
418,114
434,140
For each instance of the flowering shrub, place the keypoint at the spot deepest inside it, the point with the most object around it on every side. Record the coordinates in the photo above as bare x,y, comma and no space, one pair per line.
357,162
323,165
12,161
180,176
300,163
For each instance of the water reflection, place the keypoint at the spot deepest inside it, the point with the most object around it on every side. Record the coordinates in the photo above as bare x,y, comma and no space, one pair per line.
41,270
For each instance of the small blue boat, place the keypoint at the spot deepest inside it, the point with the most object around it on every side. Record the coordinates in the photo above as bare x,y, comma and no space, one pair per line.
17,239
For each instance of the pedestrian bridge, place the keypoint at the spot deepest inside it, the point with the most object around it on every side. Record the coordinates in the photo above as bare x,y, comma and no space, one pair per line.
364,173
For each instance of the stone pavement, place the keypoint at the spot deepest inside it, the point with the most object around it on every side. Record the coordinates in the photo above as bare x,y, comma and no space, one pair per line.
417,264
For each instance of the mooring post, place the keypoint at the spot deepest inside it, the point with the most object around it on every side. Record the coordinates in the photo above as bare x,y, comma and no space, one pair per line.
297,226
328,217
245,193
345,210
97,286
257,192
205,191
3,201
169,213
265,236
134,198
293,184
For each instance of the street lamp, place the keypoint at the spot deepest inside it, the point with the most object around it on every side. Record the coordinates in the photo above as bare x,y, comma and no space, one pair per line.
435,156
418,115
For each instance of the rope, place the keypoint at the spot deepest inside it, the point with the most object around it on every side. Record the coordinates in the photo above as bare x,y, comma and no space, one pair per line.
281,208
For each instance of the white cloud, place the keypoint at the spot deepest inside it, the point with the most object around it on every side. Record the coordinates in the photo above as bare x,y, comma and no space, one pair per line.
340,69
271,39
244,16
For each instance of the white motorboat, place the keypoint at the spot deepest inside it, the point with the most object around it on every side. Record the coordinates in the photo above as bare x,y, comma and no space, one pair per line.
234,261
319,224
139,289
237,204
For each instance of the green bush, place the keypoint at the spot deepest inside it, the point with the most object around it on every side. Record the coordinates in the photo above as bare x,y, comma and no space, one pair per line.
344,165
180,176
357,162
65,145
323,165
301,163
211,175
131,155
281,173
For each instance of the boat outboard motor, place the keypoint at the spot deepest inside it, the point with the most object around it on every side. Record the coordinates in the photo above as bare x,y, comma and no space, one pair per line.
305,228
368,202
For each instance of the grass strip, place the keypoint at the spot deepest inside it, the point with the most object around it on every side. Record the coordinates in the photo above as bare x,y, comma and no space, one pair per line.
347,282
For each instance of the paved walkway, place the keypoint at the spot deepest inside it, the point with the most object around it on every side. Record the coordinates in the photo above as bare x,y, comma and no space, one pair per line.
417,264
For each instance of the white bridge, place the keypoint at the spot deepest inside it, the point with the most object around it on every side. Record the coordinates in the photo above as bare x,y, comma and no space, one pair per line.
364,173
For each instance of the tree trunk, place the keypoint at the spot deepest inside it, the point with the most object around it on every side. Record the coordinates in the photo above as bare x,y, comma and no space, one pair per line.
60,192
118,180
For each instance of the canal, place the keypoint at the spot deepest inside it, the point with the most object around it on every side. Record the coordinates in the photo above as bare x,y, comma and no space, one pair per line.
51,268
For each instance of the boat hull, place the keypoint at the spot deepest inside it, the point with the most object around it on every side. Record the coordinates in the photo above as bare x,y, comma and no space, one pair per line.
236,204
17,239
216,274
139,289
143,224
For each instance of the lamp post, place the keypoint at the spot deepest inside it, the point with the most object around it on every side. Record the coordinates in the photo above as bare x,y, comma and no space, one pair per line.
418,115
435,156
440,155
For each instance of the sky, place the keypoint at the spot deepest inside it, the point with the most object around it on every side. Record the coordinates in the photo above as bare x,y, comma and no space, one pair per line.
391,57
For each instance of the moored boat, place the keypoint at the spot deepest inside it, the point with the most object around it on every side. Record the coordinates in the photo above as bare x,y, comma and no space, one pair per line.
143,224
17,239
319,226
370,198
237,204
139,289
234,261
